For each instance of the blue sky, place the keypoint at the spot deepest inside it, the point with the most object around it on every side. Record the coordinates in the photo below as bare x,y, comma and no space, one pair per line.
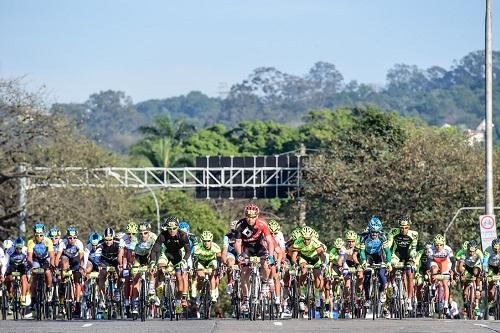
158,49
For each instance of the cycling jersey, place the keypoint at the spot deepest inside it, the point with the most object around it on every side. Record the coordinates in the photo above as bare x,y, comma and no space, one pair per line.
228,242
403,246
307,251
348,256
109,253
15,262
206,256
279,240
71,251
474,260
374,248
253,237
57,246
441,258
176,247
40,250
93,255
143,249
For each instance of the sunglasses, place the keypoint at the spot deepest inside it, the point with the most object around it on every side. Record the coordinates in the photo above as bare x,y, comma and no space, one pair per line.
71,237
39,235
145,233
130,234
172,229
108,239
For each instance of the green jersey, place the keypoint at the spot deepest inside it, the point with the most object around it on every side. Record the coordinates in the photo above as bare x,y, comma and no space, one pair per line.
308,251
206,255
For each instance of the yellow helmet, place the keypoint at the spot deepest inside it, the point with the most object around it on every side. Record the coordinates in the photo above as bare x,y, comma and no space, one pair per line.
131,228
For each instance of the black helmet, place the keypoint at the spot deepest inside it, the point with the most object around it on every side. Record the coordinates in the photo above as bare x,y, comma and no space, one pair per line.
170,223
109,234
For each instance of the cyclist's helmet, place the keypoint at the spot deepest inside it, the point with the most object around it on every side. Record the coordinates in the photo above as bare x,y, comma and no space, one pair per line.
131,227
375,226
94,239
339,242
109,234
184,226
7,244
274,226
39,228
19,243
232,225
307,232
465,245
207,236
439,239
170,223
54,232
404,221
315,234
472,245
351,235
251,210
71,231
296,233
144,226
496,243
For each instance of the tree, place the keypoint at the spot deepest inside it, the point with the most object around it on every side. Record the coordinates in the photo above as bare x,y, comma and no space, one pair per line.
161,143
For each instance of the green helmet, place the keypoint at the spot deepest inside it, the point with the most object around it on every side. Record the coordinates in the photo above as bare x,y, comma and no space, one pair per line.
339,242
274,226
465,245
439,240
307,232
296,233
207,236
131,227
351,235
315,234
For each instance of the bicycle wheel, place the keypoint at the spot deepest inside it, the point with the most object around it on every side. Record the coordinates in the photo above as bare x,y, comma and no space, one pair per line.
401,300
235,299
375,300
497,301
142,301
15,302
4,303
294,299
207,300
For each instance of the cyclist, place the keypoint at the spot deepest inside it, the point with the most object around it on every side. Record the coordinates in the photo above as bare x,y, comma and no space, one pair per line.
207,254
294,235
253,238
403,242
493,264
229,254
55,236
348,262
279,251
469,263
111,256
70,257
442,261
177,251
93,253
141,256
309,251
16,261
40,252
374,248
129,242
333,275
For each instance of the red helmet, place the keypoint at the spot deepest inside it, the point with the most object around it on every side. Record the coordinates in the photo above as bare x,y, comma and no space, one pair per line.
252,210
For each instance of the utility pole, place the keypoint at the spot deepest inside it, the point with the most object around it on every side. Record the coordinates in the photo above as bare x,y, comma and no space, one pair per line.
488,113
302,201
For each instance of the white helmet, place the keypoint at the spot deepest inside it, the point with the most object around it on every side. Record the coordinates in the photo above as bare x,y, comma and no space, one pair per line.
7,244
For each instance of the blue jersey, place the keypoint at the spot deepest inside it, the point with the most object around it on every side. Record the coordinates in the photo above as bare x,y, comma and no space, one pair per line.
374,246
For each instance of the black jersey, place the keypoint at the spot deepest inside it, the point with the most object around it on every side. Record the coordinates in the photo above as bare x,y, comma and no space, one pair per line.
173,245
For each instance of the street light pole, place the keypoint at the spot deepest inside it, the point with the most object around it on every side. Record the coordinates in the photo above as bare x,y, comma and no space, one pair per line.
489,205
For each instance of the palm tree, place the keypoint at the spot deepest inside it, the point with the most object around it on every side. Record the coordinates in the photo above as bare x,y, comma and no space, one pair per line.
161,144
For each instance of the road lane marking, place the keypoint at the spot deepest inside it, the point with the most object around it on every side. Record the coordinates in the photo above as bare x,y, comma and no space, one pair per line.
278,323
86,325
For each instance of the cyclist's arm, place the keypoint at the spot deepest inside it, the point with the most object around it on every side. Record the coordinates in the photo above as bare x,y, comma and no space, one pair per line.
270,244
321,254
58,256
295,254
155,251
120,256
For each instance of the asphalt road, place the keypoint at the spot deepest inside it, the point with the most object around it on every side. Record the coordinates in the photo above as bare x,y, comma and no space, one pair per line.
282,326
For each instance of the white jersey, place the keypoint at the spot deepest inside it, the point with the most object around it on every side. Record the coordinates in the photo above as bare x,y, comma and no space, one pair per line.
280,240
71,251
93,255
3,261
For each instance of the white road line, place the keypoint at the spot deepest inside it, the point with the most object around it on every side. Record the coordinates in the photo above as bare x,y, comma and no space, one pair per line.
86,325
278,323
481,325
